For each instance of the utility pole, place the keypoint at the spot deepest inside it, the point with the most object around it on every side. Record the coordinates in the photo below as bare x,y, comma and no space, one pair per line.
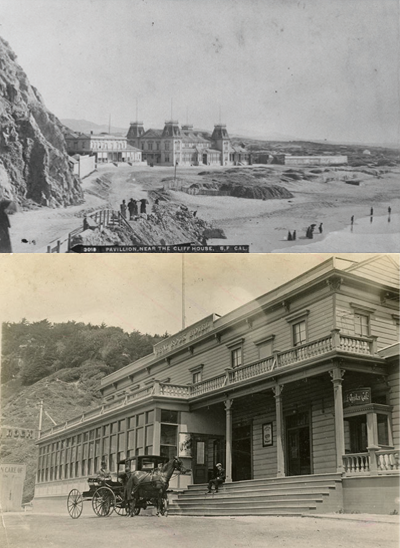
183,292
40,418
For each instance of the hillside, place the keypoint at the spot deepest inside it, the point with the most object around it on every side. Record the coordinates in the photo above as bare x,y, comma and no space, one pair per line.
34,164
60,364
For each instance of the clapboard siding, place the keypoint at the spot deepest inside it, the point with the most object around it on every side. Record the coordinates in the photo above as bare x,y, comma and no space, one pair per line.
382,322
380,270
394,400
316,396
216,357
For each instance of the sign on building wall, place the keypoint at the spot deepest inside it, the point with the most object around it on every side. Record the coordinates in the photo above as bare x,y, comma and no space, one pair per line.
185,445
360,396
15,433
12,477
186,336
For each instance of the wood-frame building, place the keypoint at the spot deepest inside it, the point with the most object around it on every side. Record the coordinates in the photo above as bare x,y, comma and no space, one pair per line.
301,383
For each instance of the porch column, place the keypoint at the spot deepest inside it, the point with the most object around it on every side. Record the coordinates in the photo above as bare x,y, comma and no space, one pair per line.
337,379
280,455
228,452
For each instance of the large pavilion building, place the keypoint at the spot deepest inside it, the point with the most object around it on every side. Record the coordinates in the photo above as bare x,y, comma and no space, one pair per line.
176,145
296,393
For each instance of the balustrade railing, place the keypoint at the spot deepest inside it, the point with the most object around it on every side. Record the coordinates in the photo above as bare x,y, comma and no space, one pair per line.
208,385
355,345
375,461
334,341
252,369
356,463
387,460
174,390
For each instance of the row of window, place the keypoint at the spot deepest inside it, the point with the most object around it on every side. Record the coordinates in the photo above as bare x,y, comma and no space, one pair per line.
299,337
149,145
81,455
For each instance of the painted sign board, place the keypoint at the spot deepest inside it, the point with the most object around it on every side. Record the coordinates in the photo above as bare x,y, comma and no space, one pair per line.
16,433
186,336
12,477
359,396
185,445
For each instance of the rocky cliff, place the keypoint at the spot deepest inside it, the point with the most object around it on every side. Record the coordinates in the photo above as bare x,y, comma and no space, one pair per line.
34,163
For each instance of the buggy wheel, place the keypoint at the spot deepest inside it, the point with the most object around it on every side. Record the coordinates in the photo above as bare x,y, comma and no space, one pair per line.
164,507
121,507
103,502
74,504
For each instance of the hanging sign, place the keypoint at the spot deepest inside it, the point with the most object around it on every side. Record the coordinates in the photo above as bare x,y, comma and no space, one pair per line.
359,396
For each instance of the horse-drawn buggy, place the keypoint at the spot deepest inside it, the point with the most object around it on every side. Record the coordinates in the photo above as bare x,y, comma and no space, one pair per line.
143,483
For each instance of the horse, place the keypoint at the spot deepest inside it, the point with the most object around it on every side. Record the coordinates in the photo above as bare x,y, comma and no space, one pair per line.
143,486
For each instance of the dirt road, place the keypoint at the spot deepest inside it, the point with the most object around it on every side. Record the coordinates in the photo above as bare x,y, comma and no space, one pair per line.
39,531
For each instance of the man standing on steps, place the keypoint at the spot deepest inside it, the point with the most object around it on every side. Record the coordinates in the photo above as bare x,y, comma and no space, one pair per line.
218,479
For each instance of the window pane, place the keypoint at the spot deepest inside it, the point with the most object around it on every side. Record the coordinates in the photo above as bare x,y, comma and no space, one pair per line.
168,451
299,333
149,417
237,357
140,420
168,434
383,430
139,438
169,416
265,350
361,325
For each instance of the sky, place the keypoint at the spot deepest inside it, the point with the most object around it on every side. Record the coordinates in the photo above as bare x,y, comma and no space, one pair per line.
141,292
315,69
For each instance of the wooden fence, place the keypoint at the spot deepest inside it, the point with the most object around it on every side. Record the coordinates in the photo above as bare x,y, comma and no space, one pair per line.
101,218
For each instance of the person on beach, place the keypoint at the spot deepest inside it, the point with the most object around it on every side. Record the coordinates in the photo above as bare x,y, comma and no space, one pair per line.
352,220
294,235
389,210
131,207
123,208
372,211
5,242
289,236
143,203
320,228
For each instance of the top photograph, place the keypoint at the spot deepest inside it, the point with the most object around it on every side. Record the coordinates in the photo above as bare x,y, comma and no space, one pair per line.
258,126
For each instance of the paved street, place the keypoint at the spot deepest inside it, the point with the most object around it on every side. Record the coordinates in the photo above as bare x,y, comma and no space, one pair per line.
55,531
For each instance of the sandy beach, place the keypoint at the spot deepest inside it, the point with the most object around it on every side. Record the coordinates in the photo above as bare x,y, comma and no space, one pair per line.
262,224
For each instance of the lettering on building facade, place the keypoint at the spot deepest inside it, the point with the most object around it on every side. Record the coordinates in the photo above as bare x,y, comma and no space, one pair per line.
186,336
360,396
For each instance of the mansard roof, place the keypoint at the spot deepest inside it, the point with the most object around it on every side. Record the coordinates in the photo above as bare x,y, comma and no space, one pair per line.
152,134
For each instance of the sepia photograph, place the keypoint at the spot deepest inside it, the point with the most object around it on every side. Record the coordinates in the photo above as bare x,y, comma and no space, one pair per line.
268,124
192,400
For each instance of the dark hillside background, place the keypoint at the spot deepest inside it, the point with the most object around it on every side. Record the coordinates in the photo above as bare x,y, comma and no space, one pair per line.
61,364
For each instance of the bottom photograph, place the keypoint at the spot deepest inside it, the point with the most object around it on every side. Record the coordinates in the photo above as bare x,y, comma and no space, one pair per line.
200,385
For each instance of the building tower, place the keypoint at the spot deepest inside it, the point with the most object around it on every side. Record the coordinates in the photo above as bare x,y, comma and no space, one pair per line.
221,141
172,141
135,132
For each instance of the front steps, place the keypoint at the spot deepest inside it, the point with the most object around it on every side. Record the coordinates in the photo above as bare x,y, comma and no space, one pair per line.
292,496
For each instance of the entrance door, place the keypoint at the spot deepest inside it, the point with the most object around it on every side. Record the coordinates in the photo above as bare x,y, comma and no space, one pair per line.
241,452
298,447
200,459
